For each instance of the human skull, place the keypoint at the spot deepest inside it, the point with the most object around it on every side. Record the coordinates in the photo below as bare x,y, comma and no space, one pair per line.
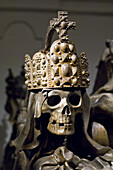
62,106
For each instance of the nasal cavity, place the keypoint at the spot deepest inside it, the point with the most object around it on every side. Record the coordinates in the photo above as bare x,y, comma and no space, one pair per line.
65,110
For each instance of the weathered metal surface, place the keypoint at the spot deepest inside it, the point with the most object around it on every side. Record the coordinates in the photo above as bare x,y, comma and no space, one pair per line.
102,112
105,66
57,66
55,135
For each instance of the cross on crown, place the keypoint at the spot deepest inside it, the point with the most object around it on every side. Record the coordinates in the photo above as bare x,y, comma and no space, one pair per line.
58,65
62,25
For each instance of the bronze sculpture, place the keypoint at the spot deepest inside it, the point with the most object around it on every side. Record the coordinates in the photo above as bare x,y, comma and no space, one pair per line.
54,135
102,99
105,65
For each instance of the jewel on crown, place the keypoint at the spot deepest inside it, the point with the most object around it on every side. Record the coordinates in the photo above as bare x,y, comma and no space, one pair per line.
57,65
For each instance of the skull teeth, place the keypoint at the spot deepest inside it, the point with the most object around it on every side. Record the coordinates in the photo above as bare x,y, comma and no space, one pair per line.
63,120
61,124
61,128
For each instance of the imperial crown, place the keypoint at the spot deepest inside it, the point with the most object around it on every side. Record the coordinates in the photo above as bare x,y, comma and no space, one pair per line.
58,65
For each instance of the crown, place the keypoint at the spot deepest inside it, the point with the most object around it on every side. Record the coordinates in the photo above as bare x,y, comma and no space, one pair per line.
58,65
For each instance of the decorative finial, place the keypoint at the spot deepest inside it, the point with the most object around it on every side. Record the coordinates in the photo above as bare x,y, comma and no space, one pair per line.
62,25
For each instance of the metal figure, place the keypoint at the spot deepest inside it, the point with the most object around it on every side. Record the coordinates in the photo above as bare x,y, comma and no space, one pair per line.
54,134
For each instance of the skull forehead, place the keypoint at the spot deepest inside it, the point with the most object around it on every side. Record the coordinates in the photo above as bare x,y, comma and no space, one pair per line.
63,93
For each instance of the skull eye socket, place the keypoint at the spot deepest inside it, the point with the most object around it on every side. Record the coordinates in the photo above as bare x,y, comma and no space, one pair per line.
74,100
53,100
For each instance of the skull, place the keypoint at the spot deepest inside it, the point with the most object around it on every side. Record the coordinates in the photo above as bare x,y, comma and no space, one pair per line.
62,106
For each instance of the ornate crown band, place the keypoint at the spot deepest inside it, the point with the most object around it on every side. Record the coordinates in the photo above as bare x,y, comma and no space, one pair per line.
57,65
